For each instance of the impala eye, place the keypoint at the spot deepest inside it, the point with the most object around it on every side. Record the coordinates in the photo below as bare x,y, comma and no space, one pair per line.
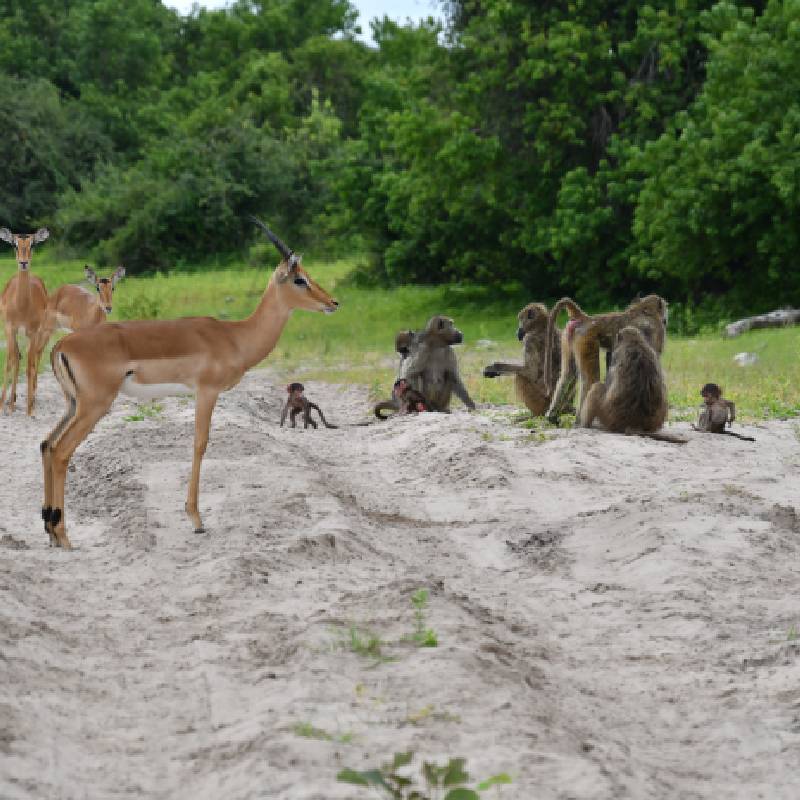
300,282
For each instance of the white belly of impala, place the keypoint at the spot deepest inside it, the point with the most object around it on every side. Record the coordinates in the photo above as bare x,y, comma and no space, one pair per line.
153,391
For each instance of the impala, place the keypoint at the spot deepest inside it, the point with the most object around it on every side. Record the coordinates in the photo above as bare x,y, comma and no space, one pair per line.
23,305
72,307
153,358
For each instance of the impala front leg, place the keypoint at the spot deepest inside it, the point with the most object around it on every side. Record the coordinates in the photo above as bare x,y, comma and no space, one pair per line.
204,408
10,373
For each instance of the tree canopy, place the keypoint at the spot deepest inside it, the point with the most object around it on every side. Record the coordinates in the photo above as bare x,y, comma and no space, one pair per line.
570,146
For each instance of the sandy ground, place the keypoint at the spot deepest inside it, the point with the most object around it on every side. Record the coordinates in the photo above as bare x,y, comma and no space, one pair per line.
615,616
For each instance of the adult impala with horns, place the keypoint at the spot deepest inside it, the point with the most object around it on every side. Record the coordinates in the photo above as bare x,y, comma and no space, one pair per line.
147,359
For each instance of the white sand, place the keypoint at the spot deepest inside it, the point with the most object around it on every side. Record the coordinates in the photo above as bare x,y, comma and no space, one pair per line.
612,613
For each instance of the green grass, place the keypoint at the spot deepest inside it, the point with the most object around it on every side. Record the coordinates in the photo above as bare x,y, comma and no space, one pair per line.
355,345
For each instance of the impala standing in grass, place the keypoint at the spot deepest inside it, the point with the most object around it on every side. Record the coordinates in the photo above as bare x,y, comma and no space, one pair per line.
72,307
147,359
23,305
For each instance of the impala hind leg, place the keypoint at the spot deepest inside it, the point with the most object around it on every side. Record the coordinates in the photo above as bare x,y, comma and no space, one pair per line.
204,408
46,448
76,429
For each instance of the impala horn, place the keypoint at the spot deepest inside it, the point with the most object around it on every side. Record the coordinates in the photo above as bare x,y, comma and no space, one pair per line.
282,248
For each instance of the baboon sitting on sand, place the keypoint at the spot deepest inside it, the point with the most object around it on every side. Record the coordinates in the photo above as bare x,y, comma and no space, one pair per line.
634,397
717,413
431,367
529,376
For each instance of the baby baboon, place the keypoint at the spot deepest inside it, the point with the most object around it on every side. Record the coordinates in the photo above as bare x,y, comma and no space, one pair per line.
529,376
298,403
404,400
431,367
717,413
634,397
584,336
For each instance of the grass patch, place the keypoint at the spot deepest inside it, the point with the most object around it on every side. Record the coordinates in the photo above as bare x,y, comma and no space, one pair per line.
355,345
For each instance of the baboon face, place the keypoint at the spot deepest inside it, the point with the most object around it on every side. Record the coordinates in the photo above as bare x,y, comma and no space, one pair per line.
403,342
444,330
654,305
530,317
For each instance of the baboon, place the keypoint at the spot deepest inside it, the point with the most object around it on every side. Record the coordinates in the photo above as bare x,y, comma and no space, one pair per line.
529,376
298,403
717,413
584,336
431,367
633,398
404,400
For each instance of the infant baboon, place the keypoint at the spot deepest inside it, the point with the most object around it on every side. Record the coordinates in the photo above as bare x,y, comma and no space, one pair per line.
529,376
717,413
298,403
404,400
634,397
431,367
584,336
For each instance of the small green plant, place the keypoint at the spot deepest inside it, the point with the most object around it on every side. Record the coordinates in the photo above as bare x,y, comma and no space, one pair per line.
364,643
309,731
793,634
423,636
145,411
441,783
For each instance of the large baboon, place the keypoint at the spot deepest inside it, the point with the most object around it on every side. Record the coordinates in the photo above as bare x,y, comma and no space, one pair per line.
633,398
529,376
584,336
432,367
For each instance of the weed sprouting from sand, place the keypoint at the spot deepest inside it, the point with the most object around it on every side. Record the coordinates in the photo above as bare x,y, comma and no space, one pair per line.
793,635
145,411
309,731
448,782
364,643
423,636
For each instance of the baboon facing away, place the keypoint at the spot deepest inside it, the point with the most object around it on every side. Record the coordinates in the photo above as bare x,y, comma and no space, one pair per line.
431,367
529,376
584,336
298,403
634,397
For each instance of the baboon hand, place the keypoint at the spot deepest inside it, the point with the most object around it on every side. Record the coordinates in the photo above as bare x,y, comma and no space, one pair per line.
490,372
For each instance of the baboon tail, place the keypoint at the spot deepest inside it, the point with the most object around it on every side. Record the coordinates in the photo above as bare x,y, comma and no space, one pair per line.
575,312
659,436
386,405
321,415
739,436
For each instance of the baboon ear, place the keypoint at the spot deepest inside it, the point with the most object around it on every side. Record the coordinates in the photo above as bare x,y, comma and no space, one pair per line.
90,274
6,235
40,235
119,274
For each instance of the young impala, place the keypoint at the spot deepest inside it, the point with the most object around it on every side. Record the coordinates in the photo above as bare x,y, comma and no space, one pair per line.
154,358
72,307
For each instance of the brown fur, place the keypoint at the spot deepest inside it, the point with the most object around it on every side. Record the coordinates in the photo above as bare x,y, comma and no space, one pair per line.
634,397
405,400
431,367
584,336
529,376
298,403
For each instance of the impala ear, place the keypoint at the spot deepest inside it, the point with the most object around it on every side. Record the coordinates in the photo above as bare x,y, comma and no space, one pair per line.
40,235
90,274
6,235
119,274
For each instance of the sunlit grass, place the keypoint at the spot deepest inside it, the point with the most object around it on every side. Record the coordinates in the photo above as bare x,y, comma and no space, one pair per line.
355,345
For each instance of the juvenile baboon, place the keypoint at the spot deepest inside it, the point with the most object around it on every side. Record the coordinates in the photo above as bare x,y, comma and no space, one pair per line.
431,367
404,400
633,398
298,403
584,336
717,413
529,376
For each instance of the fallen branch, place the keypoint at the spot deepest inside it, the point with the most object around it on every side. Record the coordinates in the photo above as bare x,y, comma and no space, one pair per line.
774,319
